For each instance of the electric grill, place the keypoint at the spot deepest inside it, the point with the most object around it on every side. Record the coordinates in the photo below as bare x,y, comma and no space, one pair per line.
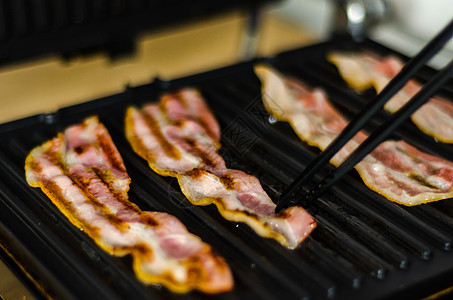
365,247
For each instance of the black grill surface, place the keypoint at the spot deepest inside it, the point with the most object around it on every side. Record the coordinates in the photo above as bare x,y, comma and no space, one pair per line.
365,247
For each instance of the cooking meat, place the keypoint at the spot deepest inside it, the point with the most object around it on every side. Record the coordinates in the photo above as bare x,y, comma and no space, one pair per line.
394,169
83,174
180,137
365,70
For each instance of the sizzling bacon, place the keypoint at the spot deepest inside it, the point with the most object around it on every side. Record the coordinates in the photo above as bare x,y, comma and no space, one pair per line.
83,174
365,70
183,142
394,169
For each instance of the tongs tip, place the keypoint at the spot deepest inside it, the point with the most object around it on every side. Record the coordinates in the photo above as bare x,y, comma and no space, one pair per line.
281,205
293,199
285,201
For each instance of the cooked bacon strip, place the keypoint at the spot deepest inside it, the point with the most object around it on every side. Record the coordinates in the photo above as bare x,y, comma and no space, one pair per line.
185,123
394,169
366,70
83,174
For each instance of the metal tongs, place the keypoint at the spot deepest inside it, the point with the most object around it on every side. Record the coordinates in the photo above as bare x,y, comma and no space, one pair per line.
290,197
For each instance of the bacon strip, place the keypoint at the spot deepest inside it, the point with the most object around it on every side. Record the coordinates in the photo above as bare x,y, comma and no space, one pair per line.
394,169
83,174
182,142
366,70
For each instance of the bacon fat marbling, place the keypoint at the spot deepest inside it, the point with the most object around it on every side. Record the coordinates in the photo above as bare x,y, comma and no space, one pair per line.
83,174
182,141
394,169
365,70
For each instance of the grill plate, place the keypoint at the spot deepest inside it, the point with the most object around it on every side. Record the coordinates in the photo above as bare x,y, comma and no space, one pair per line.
365,247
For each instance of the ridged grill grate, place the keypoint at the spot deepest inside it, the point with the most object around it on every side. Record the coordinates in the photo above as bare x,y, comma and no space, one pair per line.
365,247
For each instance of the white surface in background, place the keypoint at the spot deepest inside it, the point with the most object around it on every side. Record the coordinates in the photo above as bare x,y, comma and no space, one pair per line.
414,23
411,23
422,18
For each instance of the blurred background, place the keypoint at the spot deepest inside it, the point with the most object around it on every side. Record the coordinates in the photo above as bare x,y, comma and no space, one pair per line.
48,81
